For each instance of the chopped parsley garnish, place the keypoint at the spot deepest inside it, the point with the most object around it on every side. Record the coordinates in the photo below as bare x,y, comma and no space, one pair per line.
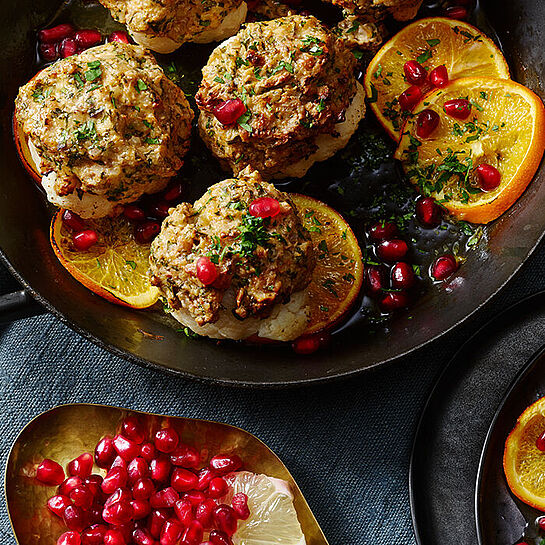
422,58
94,72
141,86
86,131
434,42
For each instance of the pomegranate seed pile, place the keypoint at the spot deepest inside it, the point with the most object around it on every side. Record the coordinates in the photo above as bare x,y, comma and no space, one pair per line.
155,491
64,40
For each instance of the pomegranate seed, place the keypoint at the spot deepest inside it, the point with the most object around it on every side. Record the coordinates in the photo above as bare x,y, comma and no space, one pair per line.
217,537
426,122
166,440
57,504
156,521
50,472
415,73
207,543
459,108
147,451
68,48
402,276
134,213
86,38
428,212
541,523
49,52
225,519
93,483
410,98
444,266
264,207
143,489
204,477
56,33
489,177
439,76
114,537
119,462
306,345
204,512
81,466
394,300
229,111
217,488
85,239
127,449
383,230
193,534
141,536
160,469
184,511
540,442
374,280
69,484
183,480
119,36
94,514
207,272
392,250
146,231
159,209
121,494
174,192
164,498
82,497
171,532
69,538
94,535
456,12
119,512
240,505
185,456
74,518
105,452
115,478
132,429
194,497
137,469
141,509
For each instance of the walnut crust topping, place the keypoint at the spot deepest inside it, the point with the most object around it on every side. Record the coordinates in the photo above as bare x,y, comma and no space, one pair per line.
179,20
296,79
265,260
107,122
376,10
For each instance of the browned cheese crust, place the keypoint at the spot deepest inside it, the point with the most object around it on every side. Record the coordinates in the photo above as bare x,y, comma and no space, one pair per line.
179,20
375,10
265,260
107,121
296,79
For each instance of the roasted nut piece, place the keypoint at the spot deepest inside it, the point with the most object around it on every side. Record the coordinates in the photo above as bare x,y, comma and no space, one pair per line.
164,25
104,127
279,96
401,10
227,272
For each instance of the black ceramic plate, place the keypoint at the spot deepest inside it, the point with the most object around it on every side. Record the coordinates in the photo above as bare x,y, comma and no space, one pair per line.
149,338
455,423
501,517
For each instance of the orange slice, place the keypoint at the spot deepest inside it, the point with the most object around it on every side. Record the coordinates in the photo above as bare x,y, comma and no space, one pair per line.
523,462
338,275
21,144
433,42
505,128
114,268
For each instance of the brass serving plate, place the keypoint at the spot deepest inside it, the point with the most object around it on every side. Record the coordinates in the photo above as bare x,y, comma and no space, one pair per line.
66,431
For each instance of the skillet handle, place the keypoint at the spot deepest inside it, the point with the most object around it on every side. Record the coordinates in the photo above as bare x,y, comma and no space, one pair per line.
17,305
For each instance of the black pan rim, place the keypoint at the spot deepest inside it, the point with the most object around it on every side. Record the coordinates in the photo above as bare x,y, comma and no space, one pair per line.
526,370
146,364
435,389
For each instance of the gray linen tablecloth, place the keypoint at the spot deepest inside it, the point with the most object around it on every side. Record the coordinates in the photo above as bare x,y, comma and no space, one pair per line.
346,443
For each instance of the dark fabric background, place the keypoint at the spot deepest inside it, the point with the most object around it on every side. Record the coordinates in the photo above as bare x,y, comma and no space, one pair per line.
346,443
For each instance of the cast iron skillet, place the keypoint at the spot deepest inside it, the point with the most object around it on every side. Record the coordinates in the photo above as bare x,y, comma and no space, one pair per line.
148,339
